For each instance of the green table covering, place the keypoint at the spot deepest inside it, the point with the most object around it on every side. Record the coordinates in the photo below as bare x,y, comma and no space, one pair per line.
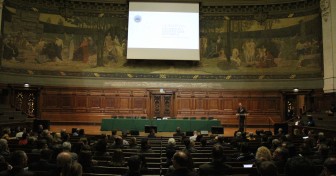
162,125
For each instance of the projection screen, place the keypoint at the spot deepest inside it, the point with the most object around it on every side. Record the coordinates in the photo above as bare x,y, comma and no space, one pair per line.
163,31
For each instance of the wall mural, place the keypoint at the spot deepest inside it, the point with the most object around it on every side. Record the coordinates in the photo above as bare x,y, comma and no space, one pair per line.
40,43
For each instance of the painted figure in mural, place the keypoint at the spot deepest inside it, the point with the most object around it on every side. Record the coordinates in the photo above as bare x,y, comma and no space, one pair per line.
118,48
219,44
268,60
204,45
222,55
300,48
10,51
85,49
59,47
234,59
108,47
249,48
71,48
82,53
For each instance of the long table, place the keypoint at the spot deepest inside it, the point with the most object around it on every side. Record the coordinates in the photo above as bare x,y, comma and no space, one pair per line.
168,125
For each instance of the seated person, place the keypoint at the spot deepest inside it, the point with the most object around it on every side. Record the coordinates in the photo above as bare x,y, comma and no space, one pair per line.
217,166
178,132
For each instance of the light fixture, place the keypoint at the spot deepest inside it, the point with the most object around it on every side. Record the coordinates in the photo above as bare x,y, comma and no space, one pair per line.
26,85
295,90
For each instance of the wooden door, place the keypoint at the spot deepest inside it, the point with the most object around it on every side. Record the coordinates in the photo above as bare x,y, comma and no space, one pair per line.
162,105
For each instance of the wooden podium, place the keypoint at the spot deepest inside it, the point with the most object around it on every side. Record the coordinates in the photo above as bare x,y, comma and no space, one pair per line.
241,117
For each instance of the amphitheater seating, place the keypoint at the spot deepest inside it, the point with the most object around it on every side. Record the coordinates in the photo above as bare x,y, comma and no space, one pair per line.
156,160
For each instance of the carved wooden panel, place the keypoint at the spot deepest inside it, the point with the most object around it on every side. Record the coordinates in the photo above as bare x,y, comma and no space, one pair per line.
94,102
228,104
200,103
184,103
81,101
125,103
111,102
139,103
214,104
50,101
67,101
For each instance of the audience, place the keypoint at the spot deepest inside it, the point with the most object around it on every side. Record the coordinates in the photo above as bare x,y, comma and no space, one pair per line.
299,166
171,148
329,167
67,166
145,146
18,163
267,168
134,166
118,159
43,164
189,146
181,165
4,150
151,134
217,166
316,151
133,143
178,132
280,156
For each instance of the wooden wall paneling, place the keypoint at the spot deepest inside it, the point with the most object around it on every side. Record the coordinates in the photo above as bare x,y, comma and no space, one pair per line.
256,104
184,106
95,103
125,105
139,105
67,102
228,104
81,103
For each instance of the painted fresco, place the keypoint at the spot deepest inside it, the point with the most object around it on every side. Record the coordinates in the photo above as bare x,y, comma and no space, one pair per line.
39,41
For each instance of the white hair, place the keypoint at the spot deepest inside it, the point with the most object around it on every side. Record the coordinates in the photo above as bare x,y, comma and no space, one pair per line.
171,141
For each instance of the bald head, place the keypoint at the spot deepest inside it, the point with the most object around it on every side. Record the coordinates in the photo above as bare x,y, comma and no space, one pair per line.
180,159
64,159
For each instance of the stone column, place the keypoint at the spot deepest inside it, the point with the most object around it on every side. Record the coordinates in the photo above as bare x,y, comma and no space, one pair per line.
328,14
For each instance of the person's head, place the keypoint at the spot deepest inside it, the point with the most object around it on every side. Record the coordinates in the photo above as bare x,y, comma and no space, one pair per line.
217,153
144,143
134,163
281,153
19,159
178,129
240,104
64,160
267,168
330,166
180,160
132,141
3,145
263,154
101,145
171,141
299,166
66,146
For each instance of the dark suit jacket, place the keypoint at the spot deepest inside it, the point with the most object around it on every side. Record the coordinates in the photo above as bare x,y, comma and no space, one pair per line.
215,168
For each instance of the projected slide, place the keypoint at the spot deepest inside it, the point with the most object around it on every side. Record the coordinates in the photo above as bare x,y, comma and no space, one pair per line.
163,31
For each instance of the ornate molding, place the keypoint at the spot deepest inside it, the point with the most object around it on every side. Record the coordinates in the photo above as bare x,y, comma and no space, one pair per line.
213,9
325,9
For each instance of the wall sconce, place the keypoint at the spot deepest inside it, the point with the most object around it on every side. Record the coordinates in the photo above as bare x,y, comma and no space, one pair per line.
295,90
